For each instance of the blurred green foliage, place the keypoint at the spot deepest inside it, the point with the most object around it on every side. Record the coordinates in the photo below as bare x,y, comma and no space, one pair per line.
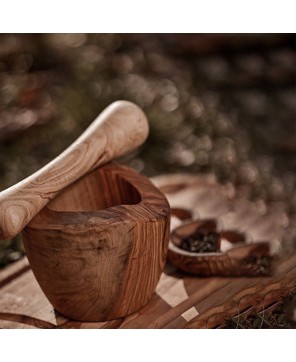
224,104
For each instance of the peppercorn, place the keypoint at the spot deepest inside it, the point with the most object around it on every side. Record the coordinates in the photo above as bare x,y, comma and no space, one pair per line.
201,242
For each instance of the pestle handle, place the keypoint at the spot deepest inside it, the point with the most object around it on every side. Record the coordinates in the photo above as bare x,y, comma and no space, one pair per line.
120,128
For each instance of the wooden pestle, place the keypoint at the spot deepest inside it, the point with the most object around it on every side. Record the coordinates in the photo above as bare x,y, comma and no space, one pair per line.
120,128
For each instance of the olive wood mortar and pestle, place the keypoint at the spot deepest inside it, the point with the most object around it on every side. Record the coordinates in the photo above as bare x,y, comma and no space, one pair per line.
96,237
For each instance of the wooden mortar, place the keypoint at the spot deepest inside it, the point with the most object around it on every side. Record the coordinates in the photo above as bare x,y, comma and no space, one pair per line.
98,249
96,238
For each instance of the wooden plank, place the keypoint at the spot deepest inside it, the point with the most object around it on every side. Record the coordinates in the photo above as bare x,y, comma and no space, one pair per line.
180,300
23,305
157,315
244,293
13,270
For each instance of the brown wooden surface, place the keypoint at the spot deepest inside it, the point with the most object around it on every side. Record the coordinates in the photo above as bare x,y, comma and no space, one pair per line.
239,259
99,248
180,300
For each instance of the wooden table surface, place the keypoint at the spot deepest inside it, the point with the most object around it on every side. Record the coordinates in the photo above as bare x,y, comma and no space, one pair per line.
180,300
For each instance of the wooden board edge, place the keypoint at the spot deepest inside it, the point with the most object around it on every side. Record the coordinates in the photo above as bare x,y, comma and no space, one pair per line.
14,270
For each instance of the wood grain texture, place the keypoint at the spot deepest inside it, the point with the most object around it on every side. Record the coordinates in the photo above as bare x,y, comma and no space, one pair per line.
23,305
241,259
245,296
120,128
181,300
12,271
98,249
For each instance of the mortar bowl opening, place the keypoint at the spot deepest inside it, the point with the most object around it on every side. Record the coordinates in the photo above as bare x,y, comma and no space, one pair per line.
98,190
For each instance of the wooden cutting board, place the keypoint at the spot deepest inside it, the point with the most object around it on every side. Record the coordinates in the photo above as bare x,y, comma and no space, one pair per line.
180,300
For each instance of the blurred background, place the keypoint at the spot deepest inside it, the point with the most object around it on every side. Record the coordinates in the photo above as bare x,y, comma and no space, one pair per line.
224,104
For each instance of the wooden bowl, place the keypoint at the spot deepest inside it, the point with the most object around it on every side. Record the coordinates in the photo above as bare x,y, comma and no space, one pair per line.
98,248
240,259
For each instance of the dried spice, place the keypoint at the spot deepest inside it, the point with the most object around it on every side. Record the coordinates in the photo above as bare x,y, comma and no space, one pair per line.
201,242
258,265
